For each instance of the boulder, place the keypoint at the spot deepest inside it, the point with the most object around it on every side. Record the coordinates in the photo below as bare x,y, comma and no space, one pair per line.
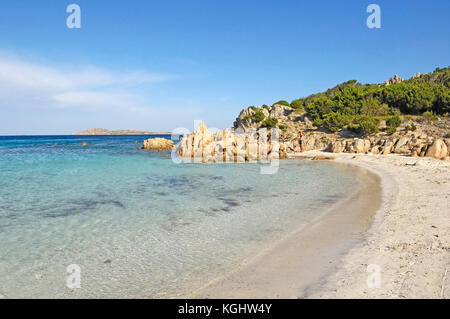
322,157
309,143
447,143
359,146
375,149
336,146
437,150
158,144
402,145
388,146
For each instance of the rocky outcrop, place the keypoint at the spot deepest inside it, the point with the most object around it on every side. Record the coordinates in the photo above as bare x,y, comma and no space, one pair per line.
231,145
395,79
414,144
246,119
158,144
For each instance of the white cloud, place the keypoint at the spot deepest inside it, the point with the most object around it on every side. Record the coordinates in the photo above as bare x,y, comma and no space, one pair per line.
25,84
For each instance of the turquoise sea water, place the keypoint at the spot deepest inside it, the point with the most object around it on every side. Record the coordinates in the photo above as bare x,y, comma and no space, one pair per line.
137,224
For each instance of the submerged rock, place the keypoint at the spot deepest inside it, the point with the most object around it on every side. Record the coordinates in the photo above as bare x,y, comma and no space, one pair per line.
322,158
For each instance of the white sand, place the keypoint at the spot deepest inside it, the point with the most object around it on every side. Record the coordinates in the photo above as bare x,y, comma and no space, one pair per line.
408,239
410,236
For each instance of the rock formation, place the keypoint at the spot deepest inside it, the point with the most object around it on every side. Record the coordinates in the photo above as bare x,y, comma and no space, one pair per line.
415,144
246,119
158,144
231,145
438,150
395,79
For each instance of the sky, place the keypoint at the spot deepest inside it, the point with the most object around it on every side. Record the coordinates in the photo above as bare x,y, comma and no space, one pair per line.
159,65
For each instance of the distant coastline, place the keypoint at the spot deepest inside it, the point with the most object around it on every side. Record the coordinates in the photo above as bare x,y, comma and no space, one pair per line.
101,131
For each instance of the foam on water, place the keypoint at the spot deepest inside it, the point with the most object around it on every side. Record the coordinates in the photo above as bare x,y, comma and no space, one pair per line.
138,224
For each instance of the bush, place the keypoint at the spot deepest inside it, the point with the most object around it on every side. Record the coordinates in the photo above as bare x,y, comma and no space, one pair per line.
391,130
297,104
394,121
264,106
365,128
270,122
258,116
365,125
411,127
429,117
335,121
282,127
411,98
282,102
372,107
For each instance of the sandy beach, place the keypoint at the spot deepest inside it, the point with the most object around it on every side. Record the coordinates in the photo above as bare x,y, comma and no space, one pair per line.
398,222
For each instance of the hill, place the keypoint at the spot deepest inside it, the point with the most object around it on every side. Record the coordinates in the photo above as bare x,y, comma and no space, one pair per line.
102,131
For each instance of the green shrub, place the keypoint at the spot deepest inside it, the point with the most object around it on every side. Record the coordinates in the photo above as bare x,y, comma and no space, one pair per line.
317,122
394,121
258,116
364,125
282,102
282,127
429,117
373,107
411,127
335,121
391,130
264,106
297,104
364,128
270,122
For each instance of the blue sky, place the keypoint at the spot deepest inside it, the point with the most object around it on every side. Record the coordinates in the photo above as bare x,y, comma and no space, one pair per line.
158,65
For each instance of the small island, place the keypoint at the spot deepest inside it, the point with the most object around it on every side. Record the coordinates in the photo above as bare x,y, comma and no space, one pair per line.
102,131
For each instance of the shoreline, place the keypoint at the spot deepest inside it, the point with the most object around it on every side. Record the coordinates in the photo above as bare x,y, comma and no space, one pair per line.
408,239
293,264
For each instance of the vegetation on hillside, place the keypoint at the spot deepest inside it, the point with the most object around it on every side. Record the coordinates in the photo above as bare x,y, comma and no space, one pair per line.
361,107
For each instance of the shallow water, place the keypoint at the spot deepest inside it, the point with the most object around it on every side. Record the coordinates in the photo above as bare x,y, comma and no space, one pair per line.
137,224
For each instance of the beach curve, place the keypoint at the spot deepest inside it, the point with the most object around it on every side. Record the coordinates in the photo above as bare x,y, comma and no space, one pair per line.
408,239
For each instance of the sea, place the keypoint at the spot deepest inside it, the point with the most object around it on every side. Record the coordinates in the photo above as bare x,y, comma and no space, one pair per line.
108,220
